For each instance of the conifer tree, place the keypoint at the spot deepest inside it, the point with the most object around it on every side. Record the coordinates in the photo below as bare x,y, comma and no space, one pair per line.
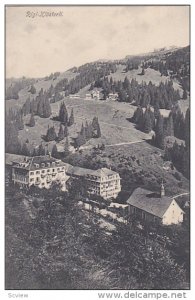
61,133
63,114
147,122
80,140
27,107
159,132
51,134
88,131
25,151
31,121
46,108
65,130
71,118
41,150
19,120
32,89
66,147
169,127
54,152
96,132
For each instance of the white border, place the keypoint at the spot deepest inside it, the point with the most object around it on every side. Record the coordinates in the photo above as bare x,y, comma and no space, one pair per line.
81,295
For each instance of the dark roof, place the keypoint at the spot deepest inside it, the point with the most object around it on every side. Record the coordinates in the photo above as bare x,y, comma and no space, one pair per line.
77,171
34,163
150,202
10,158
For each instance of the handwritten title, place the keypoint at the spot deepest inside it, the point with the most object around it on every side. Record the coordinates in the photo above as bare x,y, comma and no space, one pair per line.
43,14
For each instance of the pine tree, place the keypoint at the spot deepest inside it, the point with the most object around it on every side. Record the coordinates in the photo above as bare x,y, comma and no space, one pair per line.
140,120
54,152
71,118
65,130
41,150
96,132
137,114
156,111
88,131
169,127
32,89
31,121
159,132
66,147
51,134
63,114
147,122
79,141
27,107
46,108
61,133
43,105
19,120
12,144
25,151
83,132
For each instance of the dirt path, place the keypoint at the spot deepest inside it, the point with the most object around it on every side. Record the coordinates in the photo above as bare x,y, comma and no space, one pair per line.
179,195
125,143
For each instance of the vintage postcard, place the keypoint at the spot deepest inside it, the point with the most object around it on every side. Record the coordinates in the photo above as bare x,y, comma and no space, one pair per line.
97,148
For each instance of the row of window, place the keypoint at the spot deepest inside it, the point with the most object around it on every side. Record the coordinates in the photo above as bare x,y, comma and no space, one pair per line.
47,171
48,164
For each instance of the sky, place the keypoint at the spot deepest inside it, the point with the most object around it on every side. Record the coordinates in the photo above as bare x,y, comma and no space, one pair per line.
37,45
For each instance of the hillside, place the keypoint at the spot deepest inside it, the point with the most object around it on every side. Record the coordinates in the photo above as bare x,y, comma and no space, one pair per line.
114,116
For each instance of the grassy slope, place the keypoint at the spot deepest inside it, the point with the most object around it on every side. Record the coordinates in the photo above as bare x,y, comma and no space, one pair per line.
111,115
41,83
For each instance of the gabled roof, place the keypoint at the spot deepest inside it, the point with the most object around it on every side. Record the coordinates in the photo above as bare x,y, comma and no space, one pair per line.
10,158
150,202
34,163
103,172
77,171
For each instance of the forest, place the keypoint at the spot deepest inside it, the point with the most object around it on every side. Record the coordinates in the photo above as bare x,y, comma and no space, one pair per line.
161,96
64,247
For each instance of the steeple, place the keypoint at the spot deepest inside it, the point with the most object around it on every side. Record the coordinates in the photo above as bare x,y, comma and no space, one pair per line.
162,189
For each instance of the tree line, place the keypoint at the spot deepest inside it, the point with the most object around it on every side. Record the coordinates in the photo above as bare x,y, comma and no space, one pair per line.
175,64
40,105
88,131
13,87
179,154
161,96
87,74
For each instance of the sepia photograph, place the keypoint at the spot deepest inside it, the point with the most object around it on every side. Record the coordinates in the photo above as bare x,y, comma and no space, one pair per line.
97,147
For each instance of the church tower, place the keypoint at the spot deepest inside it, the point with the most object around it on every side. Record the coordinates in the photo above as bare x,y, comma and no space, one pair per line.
162,189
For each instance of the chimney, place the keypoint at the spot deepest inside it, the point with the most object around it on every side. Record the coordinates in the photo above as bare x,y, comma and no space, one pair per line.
162,190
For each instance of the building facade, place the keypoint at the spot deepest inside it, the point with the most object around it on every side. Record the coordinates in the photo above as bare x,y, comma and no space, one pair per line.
155,207
40,171
102,182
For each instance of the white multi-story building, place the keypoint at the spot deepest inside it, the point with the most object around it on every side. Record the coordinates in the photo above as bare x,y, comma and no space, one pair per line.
102,182
40,171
